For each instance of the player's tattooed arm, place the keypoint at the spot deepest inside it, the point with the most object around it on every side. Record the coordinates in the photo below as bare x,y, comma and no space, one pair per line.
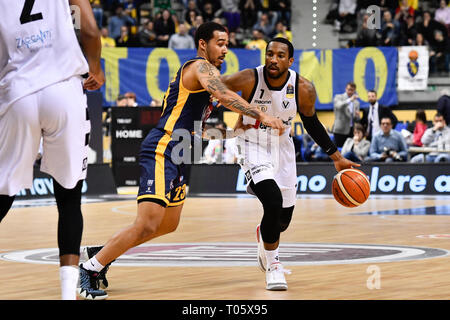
209,78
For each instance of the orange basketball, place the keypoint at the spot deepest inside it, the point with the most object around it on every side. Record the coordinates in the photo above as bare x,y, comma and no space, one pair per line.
351,187
413,55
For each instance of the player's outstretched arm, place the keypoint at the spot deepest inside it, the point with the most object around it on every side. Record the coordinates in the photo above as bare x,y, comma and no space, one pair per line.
209,78
91,44
307,99
240,81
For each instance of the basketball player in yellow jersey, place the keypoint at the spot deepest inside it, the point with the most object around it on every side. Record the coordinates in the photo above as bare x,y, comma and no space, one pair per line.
271,173
162,185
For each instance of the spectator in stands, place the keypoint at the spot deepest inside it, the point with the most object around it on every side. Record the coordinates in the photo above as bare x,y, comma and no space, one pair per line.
147,36
346,21
388,145
333,12
128,6
298,145
443,105
198,21
216,5
420,40
107,41
390,30
389,5
98,12
164,28
122,101
282,31
283,10
127,100
208,12
313,152
258,41
176,22
119,20
356,148
181,40
230,11
428,27
221,150
419,128
438,137
190,19
191,12
131,99
442,14
266,25
440,53
408,32
403,11
125,39
366,37
346,113
233,41
374,113
249,12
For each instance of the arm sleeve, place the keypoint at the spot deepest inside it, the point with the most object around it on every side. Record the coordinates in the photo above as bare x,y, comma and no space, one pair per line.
318,133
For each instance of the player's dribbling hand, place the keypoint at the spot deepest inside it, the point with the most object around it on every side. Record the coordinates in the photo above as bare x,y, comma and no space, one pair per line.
344,163
274,123
95,81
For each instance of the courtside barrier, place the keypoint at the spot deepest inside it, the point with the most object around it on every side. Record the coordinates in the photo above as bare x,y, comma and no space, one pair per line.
99,181
316,178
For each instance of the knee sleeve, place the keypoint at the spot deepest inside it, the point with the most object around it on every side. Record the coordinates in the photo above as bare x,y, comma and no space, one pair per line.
5,204
270,196
70,219
285,218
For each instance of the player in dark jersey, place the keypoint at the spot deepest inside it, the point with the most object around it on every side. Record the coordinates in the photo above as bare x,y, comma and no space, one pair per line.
162,187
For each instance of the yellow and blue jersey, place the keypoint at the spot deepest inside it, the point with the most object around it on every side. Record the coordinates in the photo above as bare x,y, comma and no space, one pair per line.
163,181
181,107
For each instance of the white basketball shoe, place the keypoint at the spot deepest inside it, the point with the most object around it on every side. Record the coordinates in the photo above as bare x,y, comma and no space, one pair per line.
262,262
275,279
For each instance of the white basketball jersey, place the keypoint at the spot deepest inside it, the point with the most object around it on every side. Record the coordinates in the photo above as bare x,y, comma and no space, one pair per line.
38,47
278,102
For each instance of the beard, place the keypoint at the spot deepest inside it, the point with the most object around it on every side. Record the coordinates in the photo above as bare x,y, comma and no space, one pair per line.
276,76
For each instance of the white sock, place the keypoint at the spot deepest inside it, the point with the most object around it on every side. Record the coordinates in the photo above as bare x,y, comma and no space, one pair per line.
93,265
271,256
69,281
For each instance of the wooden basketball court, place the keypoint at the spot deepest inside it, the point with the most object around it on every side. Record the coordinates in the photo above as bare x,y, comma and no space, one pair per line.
229,220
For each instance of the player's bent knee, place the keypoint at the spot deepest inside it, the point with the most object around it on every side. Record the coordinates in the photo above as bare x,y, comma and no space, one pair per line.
285,218
146,230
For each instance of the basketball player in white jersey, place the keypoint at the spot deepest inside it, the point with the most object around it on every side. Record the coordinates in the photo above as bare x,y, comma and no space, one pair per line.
42,95
268,160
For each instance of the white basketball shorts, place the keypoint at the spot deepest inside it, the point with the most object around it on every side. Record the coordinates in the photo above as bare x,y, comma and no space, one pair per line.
58,114
276,162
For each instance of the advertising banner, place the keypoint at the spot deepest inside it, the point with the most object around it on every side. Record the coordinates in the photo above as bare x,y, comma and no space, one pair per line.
99,181
390,179
148,71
